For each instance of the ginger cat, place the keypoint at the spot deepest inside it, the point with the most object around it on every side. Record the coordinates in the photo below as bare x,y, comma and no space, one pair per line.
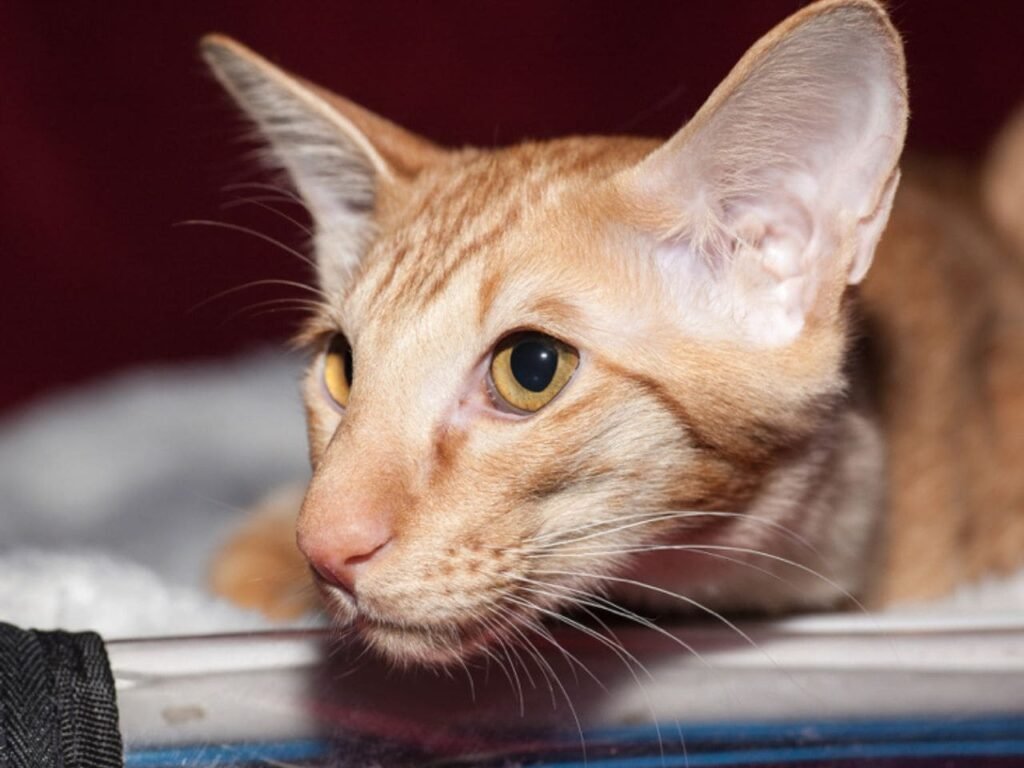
683,374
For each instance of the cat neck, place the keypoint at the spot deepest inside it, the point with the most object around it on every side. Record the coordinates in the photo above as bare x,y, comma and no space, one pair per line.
801,543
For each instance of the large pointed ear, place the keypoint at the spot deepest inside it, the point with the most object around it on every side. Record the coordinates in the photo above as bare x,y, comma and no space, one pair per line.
336,153
773,198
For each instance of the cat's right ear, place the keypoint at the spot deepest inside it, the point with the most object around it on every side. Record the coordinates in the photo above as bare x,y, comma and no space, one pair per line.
336,153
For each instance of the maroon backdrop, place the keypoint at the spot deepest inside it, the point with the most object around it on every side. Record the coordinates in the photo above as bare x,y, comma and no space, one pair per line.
111,133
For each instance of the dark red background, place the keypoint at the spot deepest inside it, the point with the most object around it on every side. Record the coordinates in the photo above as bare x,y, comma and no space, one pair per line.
111,132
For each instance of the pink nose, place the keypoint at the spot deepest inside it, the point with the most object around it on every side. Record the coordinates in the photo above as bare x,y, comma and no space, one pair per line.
341,553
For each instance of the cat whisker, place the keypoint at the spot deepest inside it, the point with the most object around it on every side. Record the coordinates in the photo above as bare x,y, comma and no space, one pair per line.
235,202
266,313
287,304
469,675
570,658
640,686
262,203
338,645
745,636
549,671
617,647
258,284
639,518
732,626
249,231
495,628
609,606
277,189
656,517
532,653
509,623
725,548
659,590
504,622
581,606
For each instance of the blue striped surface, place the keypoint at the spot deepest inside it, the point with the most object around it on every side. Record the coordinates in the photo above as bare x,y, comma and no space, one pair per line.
967,740
226,754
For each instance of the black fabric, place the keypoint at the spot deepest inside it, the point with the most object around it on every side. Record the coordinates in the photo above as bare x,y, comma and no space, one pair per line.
57,703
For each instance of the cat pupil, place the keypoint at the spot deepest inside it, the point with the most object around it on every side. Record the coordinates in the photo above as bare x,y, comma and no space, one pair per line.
340,346
534,364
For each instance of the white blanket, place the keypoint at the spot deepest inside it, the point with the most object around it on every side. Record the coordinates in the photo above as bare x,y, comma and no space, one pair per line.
113,497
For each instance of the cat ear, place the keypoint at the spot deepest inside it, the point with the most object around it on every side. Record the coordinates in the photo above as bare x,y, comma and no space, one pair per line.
774,196
336,153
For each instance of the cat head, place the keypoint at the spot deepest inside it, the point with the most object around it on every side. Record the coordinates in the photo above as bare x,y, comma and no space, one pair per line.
532,361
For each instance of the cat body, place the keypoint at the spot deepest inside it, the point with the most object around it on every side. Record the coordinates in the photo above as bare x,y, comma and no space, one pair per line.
945,310
735,404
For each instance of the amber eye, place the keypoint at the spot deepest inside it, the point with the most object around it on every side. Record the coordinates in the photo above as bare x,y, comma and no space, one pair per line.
529,369
338,369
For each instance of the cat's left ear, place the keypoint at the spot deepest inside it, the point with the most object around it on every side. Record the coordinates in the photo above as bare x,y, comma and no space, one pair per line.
337,154
773,198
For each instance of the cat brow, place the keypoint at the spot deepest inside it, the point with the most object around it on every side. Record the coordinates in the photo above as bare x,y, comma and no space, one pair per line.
554,315
559,313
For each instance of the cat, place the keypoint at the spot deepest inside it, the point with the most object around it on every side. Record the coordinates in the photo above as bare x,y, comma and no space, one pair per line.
685,375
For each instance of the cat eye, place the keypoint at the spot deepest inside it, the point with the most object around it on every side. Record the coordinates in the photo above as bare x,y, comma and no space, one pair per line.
338,369
529,369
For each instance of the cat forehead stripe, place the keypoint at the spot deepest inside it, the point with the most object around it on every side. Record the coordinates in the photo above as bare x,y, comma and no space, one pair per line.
460,218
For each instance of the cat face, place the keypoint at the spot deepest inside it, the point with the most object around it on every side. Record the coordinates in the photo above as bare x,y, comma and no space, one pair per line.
532,363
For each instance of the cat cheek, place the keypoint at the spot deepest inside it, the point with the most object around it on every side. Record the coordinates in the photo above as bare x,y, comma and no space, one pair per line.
322,422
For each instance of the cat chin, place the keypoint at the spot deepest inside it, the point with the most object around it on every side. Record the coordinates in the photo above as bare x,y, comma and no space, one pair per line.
409,644
422,646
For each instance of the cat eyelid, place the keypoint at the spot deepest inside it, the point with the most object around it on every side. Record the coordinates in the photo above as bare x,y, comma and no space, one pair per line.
316,333
526,330
315,340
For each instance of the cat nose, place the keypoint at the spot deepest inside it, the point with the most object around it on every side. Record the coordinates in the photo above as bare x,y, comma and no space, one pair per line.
341,553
